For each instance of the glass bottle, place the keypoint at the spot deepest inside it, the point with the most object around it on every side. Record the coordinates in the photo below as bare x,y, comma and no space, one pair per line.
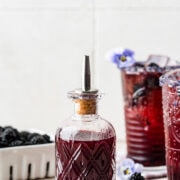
85,143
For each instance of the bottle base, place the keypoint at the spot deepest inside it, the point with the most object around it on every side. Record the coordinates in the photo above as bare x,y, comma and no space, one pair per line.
154,172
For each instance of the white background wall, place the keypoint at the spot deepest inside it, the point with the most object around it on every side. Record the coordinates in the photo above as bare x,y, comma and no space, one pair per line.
42,44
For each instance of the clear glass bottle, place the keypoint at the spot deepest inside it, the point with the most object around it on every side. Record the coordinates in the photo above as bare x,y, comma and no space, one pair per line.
85,143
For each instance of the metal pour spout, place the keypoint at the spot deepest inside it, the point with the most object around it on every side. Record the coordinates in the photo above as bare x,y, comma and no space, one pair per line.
86,97
86,75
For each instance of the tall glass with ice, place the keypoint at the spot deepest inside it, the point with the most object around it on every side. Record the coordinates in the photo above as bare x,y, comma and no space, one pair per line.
171,111
143,113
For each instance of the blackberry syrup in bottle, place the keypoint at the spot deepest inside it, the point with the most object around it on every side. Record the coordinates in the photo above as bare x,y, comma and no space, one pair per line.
85,144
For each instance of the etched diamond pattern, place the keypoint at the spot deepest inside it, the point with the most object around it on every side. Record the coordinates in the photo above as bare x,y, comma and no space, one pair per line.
86,160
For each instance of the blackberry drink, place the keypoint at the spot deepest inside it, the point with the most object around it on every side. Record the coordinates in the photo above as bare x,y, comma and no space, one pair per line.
143,114
171,108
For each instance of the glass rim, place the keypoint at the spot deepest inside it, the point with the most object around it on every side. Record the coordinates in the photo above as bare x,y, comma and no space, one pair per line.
79,94
170,78
146,69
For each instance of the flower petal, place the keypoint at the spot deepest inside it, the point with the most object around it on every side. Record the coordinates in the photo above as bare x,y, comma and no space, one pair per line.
138,168
128,52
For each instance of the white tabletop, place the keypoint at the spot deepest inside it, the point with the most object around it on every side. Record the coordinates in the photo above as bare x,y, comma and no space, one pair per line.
121,146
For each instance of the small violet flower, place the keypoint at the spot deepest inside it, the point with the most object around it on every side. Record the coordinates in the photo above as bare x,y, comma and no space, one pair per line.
121,57
126,168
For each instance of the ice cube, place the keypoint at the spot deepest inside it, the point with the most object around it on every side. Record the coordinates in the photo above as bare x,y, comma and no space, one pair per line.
160,60
138,97
178,90
135,68
174,62
152,81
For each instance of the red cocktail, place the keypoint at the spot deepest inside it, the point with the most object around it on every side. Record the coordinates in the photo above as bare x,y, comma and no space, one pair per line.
171,109
143,113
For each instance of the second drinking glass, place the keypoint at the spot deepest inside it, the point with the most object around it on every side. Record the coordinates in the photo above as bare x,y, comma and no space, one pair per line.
171,110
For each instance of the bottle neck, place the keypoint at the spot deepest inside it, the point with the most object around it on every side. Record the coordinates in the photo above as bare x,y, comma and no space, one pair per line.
85,106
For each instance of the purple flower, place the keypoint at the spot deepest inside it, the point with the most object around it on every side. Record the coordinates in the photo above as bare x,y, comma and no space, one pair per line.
121,57
126,168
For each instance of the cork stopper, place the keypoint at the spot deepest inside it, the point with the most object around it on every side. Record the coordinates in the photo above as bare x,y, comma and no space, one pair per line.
85,98
84,106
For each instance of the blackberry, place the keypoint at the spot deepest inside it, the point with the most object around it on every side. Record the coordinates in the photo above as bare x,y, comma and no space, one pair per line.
139,64
31,135
16,143
153,67
10,137
9,134
136,176
152,81
38,139
47,138
1,129
24,135
152,64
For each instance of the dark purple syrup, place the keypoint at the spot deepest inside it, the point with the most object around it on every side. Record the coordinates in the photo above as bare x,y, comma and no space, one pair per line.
87,160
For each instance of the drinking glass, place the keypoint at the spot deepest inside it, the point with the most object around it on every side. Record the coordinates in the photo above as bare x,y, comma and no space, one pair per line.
171,112
142,95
